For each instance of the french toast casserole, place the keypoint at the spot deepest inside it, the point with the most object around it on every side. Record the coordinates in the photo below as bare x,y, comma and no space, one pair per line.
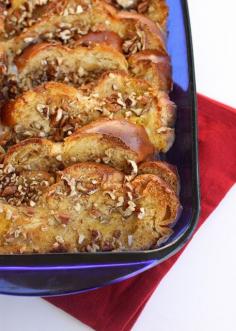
85,112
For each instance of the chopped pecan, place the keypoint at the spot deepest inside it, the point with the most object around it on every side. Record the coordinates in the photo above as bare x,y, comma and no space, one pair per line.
142,6
63,218
9,190
117,234
95,235
107,246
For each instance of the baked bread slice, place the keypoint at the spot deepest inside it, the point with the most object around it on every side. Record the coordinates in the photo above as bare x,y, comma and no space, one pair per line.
54,109
167,172
45,62
80,61
117,143
101,37
91,208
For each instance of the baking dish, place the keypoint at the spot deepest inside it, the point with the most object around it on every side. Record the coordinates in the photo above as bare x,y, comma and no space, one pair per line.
55,274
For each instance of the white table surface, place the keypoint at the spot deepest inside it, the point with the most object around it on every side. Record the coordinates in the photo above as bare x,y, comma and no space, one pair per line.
199,292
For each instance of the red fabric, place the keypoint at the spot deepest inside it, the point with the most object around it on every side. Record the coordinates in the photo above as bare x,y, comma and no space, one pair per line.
116,307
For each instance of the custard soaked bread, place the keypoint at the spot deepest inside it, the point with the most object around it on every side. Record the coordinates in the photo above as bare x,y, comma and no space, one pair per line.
91,208
85,110
54,109
80,65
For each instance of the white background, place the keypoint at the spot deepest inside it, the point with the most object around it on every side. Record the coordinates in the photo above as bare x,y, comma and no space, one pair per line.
199,293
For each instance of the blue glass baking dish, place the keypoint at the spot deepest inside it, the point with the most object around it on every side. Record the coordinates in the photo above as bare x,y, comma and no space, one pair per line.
55,274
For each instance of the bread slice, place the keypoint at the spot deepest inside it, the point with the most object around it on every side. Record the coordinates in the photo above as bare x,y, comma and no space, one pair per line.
45,62
101,37
91,208
116,96
167,172
117,143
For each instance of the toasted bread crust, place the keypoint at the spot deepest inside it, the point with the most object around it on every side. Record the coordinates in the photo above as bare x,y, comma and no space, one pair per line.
164,170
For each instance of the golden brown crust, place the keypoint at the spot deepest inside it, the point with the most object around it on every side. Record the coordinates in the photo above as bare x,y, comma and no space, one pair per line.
153,67
90,208
164,170
147,26
125,31
133,136
48,93
101,37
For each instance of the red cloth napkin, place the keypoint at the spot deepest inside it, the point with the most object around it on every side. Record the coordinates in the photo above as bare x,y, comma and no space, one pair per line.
116,307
